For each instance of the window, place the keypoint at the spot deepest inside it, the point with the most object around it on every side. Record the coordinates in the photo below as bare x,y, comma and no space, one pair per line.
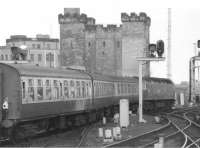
48,90
39,90
61,89
31,96
6,57
39,57
48,46
2,57
32,57
87,89
66,89
83,89
78,92
33,45
50,57
23,92
104,44
72,86
55,90
38,46
118,88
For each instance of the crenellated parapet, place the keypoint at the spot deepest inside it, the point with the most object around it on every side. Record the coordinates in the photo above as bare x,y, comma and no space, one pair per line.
90,28
69,17
101,28
133,17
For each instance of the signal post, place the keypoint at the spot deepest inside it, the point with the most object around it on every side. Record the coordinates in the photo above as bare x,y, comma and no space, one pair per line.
155,54
141,60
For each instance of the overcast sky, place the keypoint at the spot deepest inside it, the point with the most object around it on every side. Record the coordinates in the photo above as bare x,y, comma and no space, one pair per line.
30,17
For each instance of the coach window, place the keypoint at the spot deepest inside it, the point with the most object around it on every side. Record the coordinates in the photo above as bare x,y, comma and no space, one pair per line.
48,89
72,87
98,89
83,88
78,88
6,57
23,92
39,90
55,91
66,89
87,89
101,91
32,57
31,97
2,57
61,89
118,88
122,88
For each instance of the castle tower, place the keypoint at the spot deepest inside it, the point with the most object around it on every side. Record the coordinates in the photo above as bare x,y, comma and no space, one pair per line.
72,37
135,41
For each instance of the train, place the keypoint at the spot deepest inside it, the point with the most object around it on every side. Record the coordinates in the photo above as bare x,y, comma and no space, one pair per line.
50,98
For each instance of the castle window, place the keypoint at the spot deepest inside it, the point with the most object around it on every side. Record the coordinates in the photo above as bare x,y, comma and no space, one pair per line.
104,44
118,44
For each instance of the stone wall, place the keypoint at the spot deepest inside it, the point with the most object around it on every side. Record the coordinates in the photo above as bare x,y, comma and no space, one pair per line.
109,50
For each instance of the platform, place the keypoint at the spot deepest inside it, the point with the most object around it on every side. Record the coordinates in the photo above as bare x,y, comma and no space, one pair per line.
135,129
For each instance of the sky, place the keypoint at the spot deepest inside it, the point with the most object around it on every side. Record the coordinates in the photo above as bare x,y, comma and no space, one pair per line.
31,17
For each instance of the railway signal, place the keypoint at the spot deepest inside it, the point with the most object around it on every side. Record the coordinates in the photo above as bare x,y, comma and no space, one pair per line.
160,48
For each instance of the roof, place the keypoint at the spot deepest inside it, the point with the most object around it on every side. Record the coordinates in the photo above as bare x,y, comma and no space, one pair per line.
33,70
158,79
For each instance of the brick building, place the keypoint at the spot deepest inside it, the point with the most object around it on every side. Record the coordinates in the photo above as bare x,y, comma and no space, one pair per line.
109,50
42,50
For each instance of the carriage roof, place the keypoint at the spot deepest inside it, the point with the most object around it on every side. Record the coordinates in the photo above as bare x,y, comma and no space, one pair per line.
38,71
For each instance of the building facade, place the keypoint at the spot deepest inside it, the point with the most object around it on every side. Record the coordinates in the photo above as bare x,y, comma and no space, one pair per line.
42,50
109,50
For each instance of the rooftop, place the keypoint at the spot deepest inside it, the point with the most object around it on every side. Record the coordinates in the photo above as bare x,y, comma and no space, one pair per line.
39,37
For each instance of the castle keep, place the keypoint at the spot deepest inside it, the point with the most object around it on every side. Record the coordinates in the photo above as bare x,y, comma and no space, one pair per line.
108,50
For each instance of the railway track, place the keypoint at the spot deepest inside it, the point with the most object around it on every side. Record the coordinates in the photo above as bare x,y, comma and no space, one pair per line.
179,132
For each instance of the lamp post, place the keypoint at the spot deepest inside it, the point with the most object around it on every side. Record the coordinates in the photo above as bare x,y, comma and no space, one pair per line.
141,60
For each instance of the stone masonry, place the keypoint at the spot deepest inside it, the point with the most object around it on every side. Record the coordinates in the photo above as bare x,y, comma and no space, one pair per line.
109,50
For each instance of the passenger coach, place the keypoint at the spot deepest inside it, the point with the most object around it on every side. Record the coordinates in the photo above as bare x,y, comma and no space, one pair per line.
59,97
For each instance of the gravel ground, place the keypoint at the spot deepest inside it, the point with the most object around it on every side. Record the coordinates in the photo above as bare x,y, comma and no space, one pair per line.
72,138
133,130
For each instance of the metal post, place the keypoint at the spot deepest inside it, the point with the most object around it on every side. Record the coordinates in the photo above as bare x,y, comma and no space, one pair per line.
140,94
141,60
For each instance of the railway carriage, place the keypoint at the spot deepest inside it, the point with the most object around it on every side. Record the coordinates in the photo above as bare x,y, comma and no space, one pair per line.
59,98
